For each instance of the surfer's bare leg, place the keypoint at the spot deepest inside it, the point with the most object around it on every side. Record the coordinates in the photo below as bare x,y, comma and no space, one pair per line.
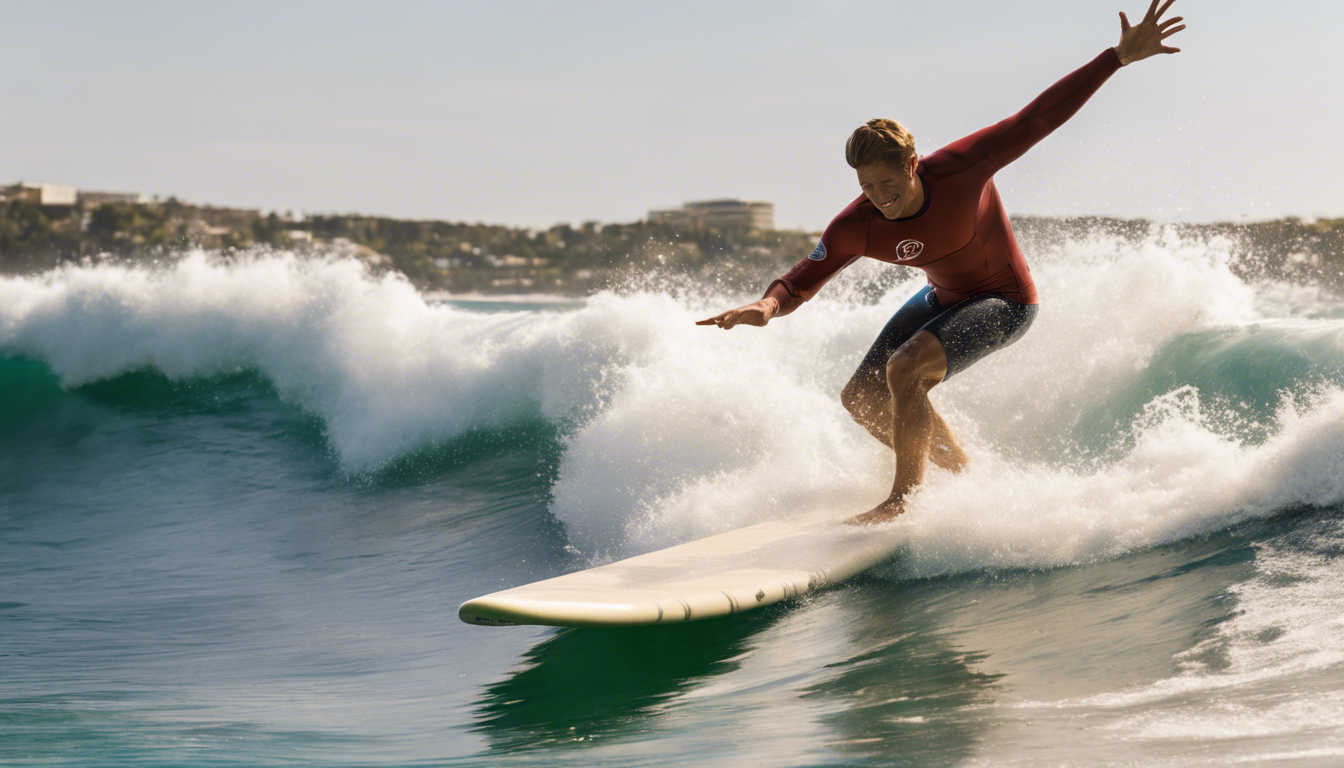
868,400
913,369
944,450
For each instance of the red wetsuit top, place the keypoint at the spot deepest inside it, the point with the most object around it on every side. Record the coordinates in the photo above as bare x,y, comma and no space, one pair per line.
960,237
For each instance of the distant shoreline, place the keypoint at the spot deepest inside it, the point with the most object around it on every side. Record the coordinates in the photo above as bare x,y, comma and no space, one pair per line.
448,261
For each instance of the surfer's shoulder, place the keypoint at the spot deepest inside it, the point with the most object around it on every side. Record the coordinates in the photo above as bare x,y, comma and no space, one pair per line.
859,210
944,162
848,231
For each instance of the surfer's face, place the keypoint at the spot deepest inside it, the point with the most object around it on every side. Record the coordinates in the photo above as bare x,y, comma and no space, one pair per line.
891,187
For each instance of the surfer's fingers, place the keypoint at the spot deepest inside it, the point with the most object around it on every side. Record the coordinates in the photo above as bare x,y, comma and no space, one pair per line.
1152,10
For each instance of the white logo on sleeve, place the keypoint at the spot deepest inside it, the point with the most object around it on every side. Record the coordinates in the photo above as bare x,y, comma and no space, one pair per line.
908,249
819,253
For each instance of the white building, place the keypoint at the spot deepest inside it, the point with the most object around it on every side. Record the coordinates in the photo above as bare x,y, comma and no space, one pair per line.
42,194
720,213
94,198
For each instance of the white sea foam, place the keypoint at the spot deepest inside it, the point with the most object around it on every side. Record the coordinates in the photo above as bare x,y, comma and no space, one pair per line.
675,431
1181,479
728,429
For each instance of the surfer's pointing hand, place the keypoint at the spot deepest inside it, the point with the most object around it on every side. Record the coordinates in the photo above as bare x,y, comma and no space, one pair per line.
1145,38
756,313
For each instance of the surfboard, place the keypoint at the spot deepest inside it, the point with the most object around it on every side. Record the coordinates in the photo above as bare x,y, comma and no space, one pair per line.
729,573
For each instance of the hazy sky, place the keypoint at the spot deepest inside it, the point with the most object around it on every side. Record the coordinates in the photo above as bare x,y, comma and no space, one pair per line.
532,113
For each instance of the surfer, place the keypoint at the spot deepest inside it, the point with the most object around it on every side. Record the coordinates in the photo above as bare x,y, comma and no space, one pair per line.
942,214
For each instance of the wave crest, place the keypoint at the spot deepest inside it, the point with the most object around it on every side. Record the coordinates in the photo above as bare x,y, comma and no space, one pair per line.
673,431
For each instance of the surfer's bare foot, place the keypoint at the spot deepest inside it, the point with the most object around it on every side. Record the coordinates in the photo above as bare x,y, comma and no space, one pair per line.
884,512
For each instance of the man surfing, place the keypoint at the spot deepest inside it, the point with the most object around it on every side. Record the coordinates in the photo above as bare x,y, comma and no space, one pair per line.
942,214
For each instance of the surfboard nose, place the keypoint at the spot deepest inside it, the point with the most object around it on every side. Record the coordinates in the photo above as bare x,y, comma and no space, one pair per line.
508,608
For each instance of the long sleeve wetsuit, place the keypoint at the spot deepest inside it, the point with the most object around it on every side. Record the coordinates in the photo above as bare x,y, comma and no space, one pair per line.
960,237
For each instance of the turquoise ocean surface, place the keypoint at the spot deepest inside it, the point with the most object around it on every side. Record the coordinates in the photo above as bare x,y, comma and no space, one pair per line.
242,497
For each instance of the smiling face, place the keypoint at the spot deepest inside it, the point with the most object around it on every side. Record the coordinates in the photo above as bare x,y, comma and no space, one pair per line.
893,187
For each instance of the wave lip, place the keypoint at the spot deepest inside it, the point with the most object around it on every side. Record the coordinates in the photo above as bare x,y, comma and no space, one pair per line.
385,371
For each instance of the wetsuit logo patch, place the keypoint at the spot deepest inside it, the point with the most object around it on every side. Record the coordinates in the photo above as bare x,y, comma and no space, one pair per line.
908,249
819,253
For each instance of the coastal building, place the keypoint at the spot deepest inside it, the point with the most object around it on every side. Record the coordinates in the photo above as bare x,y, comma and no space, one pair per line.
719,213
42,194
94,198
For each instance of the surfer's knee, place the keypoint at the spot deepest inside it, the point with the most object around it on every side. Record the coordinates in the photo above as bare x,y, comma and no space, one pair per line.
858,395
902,371
916,365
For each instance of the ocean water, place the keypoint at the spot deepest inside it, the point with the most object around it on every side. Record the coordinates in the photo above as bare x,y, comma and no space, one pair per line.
242,497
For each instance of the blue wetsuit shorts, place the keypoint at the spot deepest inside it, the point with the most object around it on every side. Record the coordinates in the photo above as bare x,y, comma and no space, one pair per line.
969,329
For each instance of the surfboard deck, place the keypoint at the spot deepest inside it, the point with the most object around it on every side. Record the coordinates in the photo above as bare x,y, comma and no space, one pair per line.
720,575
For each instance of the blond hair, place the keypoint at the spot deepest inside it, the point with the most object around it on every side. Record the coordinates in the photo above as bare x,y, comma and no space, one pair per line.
877,141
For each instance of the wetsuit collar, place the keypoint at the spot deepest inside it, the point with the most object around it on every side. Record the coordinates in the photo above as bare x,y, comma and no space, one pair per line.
928,198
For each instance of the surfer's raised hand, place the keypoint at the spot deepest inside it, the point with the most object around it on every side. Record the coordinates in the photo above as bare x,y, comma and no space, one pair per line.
756,313
1145,38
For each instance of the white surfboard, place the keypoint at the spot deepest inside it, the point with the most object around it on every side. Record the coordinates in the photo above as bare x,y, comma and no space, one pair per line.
729,573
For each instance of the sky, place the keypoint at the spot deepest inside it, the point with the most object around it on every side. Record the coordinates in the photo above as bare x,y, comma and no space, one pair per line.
533,113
